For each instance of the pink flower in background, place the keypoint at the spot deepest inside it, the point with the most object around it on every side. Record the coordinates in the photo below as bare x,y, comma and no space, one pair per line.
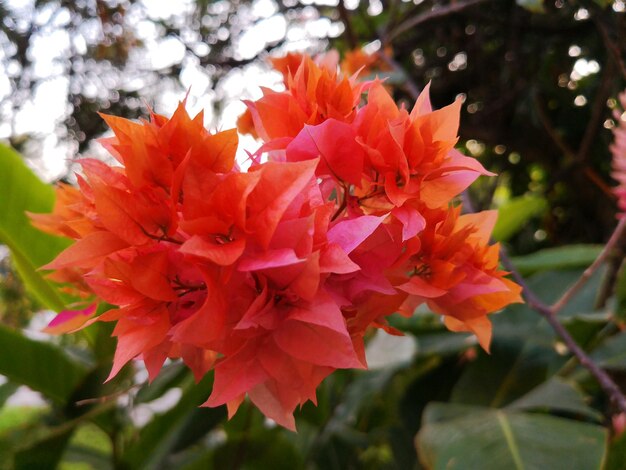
618,149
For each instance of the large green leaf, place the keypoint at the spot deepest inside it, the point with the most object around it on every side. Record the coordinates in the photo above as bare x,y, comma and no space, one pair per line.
41,366
21,190
464,437
515,214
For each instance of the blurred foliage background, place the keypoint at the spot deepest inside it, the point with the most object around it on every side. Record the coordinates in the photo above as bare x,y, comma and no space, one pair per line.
539,80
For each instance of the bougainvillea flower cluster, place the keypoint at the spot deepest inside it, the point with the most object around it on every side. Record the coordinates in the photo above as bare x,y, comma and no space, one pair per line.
271,277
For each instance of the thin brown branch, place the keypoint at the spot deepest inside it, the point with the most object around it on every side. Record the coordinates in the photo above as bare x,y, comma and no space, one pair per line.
592,176
550,130
345,19
612,47
429,16
597,111
586,275
606,382
108,398
550,313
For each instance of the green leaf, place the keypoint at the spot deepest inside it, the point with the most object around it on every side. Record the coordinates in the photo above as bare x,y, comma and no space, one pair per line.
41,366
6,390
520,322
45,454
259,450
620,295
611,354
89,445
18,416
27,441
444,343
533,6
21,190
617,453
79,458
515,214
513,368
585,326
556,394
468,438
564,257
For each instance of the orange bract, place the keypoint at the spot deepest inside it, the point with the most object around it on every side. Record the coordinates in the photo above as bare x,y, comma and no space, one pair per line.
359,61
314,93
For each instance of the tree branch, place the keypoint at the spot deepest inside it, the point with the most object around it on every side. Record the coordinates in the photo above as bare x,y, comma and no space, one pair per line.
612,47
345,19
428,16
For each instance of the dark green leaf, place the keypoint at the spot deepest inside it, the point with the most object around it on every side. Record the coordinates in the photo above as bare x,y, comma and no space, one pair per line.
511,370
6,390
45,454
585,326
620,295
260,450
617,453
41,366
611,354
483,439
556,394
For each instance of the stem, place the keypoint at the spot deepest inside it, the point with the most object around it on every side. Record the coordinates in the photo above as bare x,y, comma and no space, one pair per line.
586,275
549,313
